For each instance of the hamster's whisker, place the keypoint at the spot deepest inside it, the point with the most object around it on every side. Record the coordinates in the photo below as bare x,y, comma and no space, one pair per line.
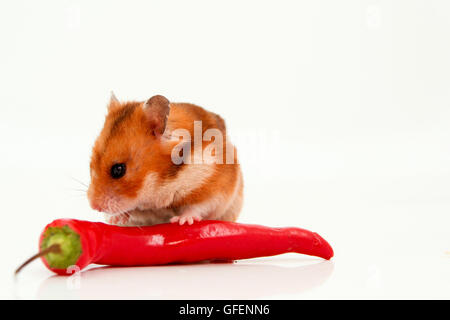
80,182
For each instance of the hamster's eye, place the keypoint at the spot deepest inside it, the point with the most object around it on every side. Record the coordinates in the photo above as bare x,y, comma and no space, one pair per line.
118,170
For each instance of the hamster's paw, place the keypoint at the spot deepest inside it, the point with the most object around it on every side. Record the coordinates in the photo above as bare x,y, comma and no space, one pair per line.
118,220
188,217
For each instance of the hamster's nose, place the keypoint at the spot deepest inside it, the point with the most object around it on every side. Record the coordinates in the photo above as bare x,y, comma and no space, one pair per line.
95,204
93,199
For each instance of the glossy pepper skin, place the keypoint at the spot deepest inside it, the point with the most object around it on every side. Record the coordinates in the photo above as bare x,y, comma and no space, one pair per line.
171,243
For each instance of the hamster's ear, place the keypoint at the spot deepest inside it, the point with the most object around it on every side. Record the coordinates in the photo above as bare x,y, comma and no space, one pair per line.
113,101
157,111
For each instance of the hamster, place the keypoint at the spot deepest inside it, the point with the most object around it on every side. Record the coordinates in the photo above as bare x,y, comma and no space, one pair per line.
153,162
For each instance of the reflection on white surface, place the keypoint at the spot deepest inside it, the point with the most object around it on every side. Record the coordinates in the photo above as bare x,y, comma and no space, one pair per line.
255,279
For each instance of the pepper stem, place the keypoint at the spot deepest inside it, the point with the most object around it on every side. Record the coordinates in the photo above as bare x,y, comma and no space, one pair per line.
54,248
60,248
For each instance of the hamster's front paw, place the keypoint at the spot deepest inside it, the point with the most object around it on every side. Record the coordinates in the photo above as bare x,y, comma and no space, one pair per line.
118,220
188,216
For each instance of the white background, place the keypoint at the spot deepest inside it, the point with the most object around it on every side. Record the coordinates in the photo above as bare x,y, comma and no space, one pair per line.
340,111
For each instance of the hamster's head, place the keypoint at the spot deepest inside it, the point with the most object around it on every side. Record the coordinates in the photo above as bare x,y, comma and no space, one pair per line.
127,149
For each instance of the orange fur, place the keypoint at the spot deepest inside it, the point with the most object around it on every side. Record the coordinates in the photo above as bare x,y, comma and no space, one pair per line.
154,189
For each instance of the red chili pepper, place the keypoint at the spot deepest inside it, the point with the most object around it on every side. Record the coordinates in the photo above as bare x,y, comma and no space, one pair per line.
67,242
